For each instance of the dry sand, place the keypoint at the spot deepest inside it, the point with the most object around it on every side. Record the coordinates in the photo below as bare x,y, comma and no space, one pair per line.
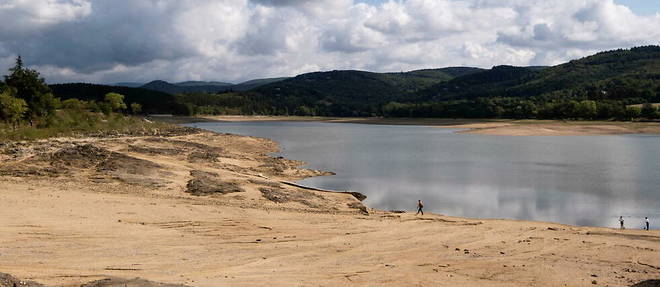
558,128
483,126
204,209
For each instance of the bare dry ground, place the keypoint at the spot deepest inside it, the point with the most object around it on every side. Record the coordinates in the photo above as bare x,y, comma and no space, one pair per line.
204,209
558,128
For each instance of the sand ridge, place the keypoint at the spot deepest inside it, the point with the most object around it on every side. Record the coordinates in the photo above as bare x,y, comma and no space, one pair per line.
85,209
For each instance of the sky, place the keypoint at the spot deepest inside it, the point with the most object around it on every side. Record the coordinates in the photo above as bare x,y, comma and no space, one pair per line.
103,41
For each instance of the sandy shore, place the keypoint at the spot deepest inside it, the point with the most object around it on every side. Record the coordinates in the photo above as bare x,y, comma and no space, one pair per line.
203,209
483,126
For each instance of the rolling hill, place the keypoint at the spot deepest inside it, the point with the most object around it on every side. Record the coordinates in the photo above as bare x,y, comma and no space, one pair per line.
597,86
188,87
251,84
614,74
350,92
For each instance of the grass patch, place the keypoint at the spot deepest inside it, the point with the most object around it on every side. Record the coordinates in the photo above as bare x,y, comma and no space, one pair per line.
69,123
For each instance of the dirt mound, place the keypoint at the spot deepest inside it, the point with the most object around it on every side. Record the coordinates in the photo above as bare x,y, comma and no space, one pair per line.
185,144
359,206
153,150
25,170
45,163
120,163
203,156
276,165
207,183
133,170
79,156
282,196
99,163
7,280
102,160
648,283
164,131
120,282
266,183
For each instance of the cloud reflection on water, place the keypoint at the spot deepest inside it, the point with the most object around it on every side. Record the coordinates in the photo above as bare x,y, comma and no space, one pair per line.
582,180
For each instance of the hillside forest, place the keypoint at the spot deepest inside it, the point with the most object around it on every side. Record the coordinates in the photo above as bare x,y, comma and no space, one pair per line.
621,84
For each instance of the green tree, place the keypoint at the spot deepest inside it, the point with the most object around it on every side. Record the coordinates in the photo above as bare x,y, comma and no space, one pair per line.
633,112
33,89
304,111
648,111
189,109
105,108
587,109
73,104
115,101
136,108
12,109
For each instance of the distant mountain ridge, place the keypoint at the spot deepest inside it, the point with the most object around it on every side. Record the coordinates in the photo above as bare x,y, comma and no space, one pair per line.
129,84
412,80
202,83
199,86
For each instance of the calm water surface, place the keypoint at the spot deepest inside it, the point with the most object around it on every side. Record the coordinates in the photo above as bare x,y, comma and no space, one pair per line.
580,180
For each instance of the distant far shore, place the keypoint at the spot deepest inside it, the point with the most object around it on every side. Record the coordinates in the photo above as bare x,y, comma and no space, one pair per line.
499,127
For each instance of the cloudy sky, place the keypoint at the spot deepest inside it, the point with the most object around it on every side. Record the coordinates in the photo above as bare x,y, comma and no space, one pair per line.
107,41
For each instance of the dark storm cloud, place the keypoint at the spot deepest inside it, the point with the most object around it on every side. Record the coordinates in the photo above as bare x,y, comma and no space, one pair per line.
114,32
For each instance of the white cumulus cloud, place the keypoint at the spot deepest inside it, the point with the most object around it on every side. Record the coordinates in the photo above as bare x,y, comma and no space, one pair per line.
234,40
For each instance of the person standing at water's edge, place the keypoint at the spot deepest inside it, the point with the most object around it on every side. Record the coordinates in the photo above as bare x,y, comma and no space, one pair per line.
621,221
420,205
647,223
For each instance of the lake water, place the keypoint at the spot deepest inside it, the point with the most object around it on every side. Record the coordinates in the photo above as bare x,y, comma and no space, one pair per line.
579,180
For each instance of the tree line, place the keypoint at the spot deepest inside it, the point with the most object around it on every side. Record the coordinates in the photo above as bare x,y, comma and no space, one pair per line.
26,99
517,108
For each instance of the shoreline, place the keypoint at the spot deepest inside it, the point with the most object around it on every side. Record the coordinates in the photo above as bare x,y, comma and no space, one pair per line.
76,212
495,127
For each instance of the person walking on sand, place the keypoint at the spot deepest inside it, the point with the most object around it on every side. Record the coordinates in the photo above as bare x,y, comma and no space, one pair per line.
621,221
420,205
647,223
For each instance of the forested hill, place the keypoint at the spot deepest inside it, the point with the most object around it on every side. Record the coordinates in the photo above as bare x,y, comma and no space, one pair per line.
349,92
187,87
488,83
598,86
618,74
362,84
602,86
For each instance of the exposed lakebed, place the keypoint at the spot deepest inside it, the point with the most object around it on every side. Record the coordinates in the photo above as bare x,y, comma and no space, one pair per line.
580,180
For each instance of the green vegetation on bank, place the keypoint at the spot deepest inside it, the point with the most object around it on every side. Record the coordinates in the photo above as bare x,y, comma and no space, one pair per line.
29,111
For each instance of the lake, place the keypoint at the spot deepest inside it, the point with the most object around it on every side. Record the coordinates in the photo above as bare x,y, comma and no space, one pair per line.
579,180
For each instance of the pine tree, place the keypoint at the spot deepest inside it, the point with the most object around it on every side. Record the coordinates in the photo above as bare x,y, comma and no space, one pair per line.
33,89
